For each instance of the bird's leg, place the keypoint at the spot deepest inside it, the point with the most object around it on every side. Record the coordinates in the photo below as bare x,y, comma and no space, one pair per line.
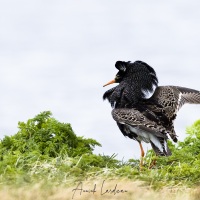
153,163
142,155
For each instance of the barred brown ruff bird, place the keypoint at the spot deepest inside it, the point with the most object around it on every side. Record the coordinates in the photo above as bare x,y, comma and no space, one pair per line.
146,119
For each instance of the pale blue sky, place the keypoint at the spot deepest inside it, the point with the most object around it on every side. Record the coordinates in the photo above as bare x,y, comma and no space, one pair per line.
56,55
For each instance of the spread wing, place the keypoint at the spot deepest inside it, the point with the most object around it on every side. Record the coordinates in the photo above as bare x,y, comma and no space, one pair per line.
167,101
172,98
135,119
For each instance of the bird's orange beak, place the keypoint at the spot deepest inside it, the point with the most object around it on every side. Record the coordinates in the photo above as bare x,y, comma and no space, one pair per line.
110,82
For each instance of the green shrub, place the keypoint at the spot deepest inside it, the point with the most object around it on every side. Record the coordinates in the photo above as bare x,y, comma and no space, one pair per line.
183,167
43,145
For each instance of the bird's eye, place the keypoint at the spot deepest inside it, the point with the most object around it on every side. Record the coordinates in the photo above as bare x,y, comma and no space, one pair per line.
118,78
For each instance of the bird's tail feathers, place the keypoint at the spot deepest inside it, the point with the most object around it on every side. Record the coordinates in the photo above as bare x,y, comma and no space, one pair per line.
165,151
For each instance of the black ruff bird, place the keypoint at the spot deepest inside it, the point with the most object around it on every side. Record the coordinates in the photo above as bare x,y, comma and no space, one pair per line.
146,119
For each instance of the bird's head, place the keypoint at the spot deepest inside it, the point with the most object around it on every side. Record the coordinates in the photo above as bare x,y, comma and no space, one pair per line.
122,67
135,81
138,71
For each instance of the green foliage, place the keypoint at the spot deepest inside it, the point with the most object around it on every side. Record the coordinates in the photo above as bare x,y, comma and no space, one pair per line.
183,167
40,141
46,136
47,150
